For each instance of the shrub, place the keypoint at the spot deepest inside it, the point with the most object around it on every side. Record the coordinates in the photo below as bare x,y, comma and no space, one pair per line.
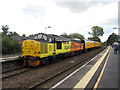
10,46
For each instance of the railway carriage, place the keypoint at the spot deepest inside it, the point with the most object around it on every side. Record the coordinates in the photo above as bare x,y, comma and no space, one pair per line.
97,44
88,45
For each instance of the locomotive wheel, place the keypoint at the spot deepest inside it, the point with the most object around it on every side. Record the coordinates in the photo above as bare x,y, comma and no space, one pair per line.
26,64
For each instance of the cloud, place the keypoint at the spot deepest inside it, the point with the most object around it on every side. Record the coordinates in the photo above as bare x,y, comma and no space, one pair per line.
34,10
78,7
113,21
75,7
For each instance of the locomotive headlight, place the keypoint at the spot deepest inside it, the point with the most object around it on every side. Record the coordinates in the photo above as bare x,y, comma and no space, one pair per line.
28,50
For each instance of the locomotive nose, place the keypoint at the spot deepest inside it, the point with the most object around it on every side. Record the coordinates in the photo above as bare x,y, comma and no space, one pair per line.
30,48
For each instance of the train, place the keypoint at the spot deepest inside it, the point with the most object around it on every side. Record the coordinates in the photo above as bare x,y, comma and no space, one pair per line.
46,47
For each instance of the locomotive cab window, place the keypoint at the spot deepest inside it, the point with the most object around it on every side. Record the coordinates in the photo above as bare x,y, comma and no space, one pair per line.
39,36
44,37
50,40
36,37
59,45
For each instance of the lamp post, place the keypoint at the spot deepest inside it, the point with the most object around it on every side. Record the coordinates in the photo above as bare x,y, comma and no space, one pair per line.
46,28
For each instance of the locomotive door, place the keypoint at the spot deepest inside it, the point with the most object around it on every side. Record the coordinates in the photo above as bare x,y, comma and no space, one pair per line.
83,45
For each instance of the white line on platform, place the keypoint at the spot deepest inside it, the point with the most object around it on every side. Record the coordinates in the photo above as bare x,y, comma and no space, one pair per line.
10,57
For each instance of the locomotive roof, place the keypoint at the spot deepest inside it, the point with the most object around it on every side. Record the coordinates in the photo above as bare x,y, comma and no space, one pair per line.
91,41
75,39
58,38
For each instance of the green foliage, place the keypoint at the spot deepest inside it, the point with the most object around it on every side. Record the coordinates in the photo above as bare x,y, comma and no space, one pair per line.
5,29
74,35
77,35
65,35
111,39
13,34
105,43
32,35
10,46
94,39
96,33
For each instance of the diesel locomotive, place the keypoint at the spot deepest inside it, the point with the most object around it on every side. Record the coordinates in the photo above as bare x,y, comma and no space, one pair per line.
45,47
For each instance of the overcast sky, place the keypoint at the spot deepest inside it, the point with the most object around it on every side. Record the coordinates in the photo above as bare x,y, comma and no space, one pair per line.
69,16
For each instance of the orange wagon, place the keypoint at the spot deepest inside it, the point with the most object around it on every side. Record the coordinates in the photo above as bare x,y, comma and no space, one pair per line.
76,46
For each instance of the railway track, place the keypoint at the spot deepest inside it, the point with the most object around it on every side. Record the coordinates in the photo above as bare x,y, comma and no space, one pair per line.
11,73
8,76
9,66
12,69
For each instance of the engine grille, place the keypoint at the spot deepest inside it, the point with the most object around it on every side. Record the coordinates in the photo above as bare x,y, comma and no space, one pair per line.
43,48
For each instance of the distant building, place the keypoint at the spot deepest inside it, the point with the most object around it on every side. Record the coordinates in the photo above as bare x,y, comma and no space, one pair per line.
20,38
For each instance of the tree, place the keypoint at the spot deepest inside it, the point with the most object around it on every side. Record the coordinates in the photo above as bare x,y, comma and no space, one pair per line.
96,33
32,35
16,34
9,46
94,39
112,38
77,35
5,29
74,35
24,35
13,34
64,35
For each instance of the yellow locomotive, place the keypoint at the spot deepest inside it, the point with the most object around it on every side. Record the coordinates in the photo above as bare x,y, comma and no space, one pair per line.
44,46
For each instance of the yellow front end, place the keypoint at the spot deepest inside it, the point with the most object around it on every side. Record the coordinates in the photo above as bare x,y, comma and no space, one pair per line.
31,52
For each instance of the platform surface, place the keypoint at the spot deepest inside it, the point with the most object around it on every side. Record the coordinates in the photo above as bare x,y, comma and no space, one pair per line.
9,57
109,78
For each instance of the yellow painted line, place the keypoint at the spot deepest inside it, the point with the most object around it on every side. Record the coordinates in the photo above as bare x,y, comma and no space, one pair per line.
85,80
10,57
99,78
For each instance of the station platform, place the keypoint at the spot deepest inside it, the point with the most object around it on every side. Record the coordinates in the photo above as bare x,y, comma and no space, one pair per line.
9,57
101,72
